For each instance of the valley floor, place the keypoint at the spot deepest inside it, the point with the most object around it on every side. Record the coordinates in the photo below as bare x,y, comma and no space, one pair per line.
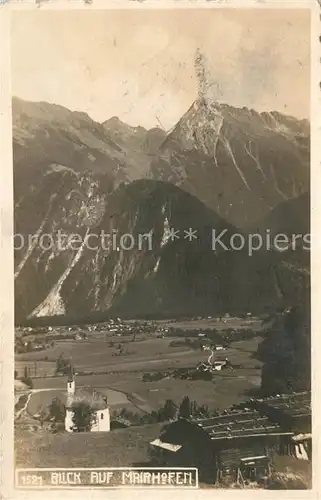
121,380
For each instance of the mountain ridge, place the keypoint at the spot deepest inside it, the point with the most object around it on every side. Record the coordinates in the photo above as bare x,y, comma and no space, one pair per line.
81,176
224,154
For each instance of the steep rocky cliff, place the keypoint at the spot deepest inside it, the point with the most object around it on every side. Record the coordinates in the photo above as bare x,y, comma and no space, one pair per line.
238,162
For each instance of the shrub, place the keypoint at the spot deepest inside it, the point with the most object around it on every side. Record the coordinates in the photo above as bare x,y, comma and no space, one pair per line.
83,416
28,382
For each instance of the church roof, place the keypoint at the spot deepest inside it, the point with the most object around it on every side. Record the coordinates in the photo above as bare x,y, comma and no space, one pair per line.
89,395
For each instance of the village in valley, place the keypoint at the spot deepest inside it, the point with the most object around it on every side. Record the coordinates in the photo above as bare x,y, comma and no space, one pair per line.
147,392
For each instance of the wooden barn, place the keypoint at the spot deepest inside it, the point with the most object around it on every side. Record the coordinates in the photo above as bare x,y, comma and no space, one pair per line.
238,444
291,412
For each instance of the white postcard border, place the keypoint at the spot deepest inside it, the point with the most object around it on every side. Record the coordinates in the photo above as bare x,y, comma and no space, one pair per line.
7,489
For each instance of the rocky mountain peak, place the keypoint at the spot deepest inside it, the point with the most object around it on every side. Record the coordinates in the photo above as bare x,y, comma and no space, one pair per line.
236,160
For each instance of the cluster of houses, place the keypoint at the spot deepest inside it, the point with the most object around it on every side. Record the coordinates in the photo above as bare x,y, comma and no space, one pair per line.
22,345
215,366
212,364
239,445
115,327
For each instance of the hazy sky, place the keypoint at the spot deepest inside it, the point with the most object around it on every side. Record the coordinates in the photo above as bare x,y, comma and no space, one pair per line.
139,65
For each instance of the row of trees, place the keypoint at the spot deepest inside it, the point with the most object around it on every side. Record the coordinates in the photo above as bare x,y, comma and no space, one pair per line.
84,415
219,336
170,411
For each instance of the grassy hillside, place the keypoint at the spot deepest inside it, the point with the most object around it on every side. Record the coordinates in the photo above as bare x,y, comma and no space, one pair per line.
123,447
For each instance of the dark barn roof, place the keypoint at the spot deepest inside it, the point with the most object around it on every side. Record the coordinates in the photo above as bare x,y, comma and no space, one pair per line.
238,424
230,425
289,404
292,411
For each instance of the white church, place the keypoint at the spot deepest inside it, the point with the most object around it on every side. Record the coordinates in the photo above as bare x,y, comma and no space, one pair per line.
101,420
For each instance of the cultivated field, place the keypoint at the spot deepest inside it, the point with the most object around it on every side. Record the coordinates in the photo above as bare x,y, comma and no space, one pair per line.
98,355
147,353
34,368
228,387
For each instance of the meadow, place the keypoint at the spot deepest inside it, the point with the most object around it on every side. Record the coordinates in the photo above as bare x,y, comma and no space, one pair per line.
228,386
99,363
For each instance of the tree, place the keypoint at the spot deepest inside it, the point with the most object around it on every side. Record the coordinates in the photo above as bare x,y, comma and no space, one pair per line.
57,410
194,408
26,379
203,411
63,365
28,382
185,408
42,417
84,416
169,410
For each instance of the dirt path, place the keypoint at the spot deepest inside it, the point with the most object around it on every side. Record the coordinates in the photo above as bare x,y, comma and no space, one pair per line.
21,410
139,402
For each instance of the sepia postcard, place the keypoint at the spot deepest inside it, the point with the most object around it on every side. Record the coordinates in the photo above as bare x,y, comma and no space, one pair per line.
160,175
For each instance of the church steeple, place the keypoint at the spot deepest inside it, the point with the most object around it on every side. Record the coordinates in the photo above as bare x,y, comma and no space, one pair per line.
71,374
71,386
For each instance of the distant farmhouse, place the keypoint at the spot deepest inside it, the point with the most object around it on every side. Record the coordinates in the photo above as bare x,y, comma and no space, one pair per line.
240,443
211,365
101,420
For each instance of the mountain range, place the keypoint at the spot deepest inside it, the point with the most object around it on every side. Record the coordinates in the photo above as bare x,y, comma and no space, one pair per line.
219,168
